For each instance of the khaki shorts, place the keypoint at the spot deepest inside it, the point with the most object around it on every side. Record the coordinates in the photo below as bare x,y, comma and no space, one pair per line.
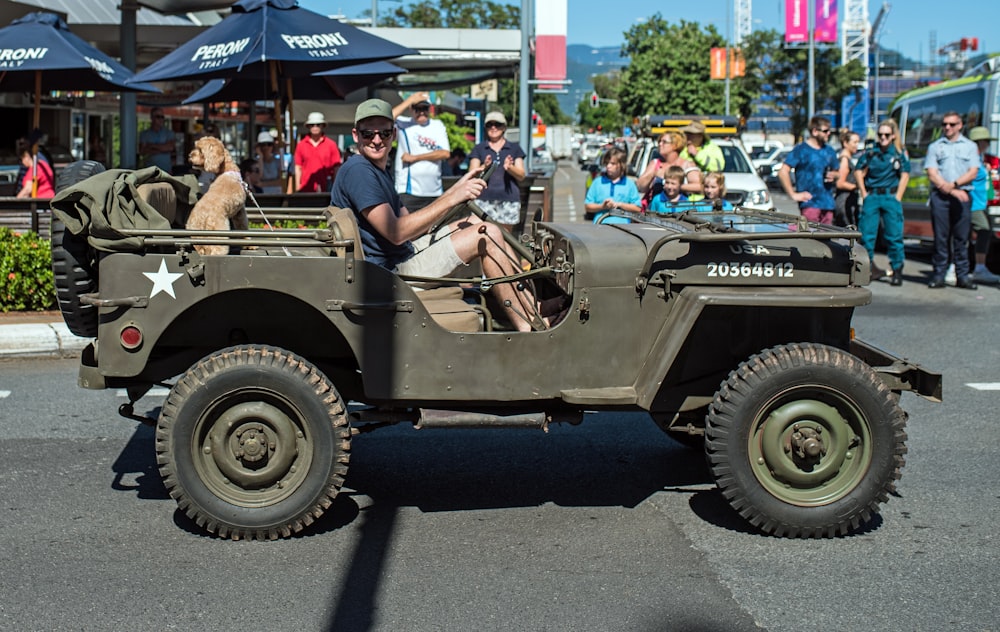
434,256
980,221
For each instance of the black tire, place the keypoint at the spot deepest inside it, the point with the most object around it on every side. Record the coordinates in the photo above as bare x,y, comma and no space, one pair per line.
74,269
74,262
253,443
76,172
805,440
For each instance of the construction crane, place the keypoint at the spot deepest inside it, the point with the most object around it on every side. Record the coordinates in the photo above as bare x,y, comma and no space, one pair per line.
957,52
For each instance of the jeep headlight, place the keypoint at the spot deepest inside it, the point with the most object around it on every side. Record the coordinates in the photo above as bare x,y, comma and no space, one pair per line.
759,197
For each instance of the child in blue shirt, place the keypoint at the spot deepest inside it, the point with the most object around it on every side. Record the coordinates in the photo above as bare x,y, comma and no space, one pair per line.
715,193
671,200
612,190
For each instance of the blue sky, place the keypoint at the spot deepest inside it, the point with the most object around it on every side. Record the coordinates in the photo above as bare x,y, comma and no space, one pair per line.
601,23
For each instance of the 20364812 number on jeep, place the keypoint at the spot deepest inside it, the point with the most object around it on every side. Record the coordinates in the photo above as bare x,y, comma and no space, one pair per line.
261,348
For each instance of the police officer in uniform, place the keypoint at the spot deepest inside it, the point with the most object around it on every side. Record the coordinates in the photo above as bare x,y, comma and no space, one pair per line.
882,173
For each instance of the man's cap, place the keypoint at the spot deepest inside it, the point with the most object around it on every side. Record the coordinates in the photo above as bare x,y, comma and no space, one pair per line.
316,118
694,127
265,137
372,107
496,117
980,133
422,104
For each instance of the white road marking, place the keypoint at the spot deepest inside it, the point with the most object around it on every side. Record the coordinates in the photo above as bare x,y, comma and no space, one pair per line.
985,386
156,391
4,394
571,207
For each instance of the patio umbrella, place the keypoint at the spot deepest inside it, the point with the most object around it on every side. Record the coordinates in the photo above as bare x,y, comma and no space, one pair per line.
268,39
333,84
271,40
39,53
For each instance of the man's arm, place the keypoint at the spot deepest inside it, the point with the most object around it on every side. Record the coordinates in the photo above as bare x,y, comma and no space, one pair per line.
437,155
416,97
410,225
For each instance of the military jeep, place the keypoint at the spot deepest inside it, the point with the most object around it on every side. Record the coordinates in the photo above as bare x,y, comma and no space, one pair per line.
732,329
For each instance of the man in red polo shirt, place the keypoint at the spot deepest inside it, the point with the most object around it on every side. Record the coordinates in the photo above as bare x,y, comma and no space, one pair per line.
317,158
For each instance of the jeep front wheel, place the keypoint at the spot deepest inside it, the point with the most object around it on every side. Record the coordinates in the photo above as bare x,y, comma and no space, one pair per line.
253,443
805,440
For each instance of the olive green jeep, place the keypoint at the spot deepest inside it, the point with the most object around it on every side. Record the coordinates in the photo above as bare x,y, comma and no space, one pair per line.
732,329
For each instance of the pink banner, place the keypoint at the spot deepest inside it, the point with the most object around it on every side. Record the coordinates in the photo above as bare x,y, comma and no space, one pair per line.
826,21
796,21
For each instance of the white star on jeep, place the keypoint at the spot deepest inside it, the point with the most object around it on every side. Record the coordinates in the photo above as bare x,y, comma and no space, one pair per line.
163,281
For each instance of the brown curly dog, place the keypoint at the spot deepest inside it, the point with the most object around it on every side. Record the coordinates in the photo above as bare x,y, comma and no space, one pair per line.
223,206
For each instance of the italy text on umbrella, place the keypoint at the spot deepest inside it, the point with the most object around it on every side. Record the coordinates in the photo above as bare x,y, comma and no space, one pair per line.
39,53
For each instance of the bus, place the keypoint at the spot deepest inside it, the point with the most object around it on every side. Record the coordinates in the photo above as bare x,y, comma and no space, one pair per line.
976,98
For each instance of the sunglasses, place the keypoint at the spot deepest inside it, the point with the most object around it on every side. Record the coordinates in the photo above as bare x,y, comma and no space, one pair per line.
494,125
947,124
424,110
266,144
881,135
824,130
369,134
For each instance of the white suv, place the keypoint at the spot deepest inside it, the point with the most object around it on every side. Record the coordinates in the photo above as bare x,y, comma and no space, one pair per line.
744,187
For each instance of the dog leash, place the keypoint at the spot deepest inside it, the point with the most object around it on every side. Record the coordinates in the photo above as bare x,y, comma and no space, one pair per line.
246,187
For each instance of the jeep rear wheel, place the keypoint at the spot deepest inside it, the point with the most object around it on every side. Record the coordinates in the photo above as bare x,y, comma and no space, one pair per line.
805,440
253,443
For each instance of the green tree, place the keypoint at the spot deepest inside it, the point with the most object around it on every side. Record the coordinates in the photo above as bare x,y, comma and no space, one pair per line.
668,71
455,14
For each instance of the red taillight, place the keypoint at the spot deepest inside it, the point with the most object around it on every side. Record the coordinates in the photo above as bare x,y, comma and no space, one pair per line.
131,337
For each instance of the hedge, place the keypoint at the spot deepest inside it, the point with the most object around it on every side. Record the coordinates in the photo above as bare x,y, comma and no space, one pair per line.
26,282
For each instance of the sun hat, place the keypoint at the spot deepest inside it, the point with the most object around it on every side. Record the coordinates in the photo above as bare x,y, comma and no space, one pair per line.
980,133
264,137
372,107
315,118
694,127
496,117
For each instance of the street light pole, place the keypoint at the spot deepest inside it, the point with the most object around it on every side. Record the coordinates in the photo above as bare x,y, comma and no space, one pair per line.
524,93
812,60
729,60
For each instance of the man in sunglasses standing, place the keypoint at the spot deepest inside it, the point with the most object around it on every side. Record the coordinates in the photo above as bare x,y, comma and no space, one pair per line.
422,146
816,166
399,239
951,164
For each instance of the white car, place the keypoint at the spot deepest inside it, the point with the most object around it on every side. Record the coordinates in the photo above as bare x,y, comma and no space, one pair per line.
744,187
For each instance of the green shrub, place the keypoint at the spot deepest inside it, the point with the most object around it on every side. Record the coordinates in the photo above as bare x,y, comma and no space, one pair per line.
26,282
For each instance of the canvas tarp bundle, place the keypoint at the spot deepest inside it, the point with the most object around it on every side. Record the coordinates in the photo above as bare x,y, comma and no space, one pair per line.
108,202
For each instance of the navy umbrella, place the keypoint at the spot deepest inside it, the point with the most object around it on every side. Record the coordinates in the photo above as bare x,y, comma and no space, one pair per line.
270,39
39,53
331,84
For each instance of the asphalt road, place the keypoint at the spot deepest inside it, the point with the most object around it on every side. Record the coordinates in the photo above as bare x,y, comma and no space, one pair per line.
606,526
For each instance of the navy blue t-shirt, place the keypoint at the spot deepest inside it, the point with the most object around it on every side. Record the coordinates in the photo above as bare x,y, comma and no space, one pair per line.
361,185
501,186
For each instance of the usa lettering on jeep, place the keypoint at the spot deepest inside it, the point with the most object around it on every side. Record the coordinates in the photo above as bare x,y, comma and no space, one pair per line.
749,249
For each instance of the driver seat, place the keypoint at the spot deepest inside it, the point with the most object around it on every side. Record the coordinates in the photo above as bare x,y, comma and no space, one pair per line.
443,303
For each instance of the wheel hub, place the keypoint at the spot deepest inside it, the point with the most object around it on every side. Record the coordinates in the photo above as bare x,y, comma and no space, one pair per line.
254,445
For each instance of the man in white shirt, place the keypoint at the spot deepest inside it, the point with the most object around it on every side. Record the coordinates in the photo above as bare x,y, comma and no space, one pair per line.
422,144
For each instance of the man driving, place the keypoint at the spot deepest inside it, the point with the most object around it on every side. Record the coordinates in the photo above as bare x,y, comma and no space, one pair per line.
398,239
